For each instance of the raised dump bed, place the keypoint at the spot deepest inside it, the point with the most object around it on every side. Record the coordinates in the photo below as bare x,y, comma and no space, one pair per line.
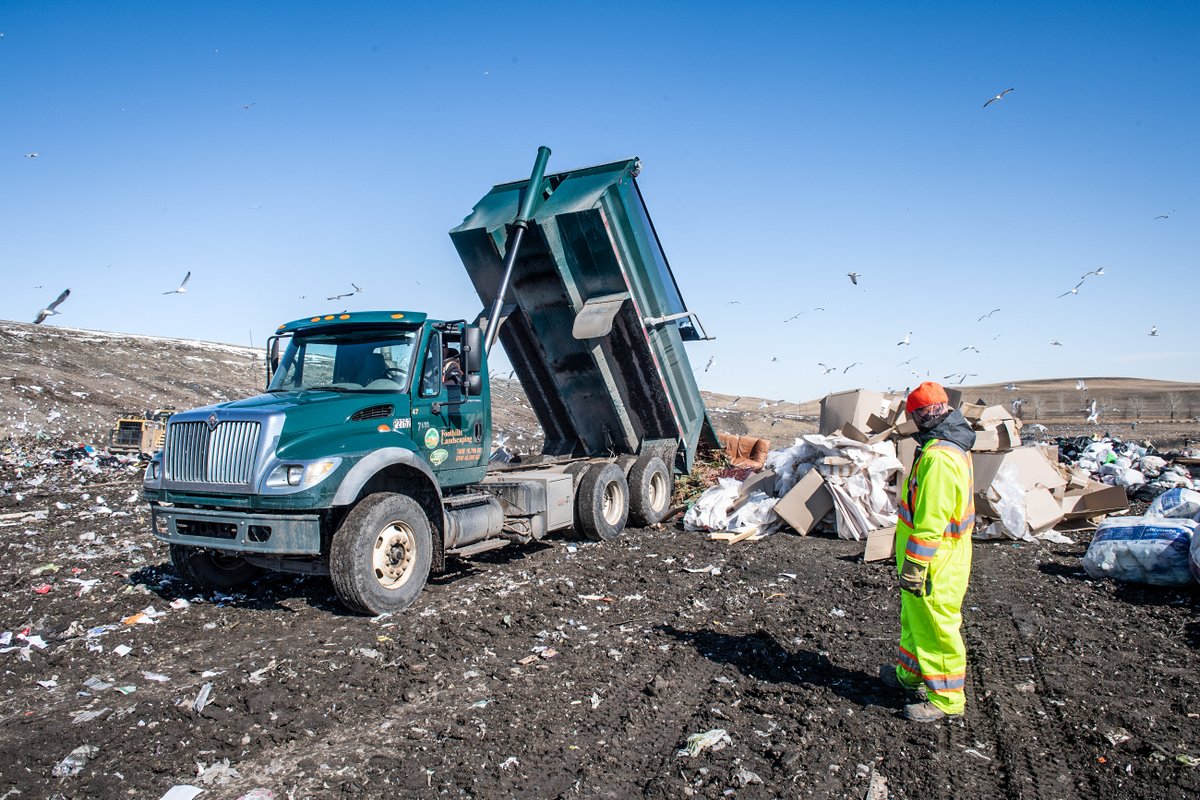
593,320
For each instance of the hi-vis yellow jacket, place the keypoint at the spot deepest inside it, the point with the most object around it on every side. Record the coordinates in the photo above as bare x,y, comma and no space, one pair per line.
937,504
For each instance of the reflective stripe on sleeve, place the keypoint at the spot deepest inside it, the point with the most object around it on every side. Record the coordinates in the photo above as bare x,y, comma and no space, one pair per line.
919,552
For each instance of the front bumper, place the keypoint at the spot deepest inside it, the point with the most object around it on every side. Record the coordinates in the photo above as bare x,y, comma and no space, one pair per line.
271,534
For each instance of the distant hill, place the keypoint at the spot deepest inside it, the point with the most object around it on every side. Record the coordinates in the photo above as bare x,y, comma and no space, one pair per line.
67,383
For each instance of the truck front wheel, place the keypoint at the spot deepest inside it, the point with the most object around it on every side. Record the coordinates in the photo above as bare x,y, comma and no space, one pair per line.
602,503
209,569
380,556
650,487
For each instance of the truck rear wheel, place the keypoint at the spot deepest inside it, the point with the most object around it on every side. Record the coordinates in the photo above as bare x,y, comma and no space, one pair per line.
650,486
380,556
210,569
602,502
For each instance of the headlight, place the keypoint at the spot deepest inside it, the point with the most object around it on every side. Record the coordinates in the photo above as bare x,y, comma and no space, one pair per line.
303,475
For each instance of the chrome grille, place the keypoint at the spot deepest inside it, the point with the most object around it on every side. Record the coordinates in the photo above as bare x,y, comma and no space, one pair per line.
193,454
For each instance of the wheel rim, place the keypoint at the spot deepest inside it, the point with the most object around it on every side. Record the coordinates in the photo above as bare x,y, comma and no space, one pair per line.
658,491
226,563
614,503
395,555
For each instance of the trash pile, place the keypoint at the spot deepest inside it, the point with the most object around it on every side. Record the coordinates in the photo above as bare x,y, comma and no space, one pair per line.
1160,548
845,478
1139,468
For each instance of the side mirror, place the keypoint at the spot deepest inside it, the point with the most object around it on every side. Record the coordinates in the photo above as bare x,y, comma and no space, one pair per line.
472,344
272,358
474,384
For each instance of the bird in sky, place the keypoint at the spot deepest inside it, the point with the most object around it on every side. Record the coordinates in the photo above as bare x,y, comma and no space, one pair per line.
1153,331
962,376
997,97
1080,385
1012,387
847,369
1093,413
183,286
728,303
1073,290
826,369
906,340
987,315
907,361
247,106
1166,215
1016,405
52,309
1056,343
970,347
794,316
711,359
853,276
357,290
32,155
1098,271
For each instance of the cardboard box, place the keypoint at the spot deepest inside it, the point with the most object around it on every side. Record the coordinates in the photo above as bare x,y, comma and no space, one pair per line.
1033,470
906,451
995,439
881,544
1042,510
994,415
906,428
1094,499
758,482
954,396
853,406
853,433
806,503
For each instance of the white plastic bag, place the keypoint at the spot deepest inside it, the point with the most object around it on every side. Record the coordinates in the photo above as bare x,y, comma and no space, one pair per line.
1010,506
1152,550
710,512
1183,503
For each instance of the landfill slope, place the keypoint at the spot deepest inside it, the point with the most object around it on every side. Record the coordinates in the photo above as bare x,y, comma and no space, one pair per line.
565,669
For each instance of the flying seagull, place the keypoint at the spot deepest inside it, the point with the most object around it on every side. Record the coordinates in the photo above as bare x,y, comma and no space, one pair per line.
32,155
988,314
794,316
970,347
1012,387
853,276
51,309
906,340
997,97
847,369
909,361
247,106
1160,216
1056,343
357,290
1093,413
1080,385
1073,290
1098,271
711,359
183,286
825,368
1153,331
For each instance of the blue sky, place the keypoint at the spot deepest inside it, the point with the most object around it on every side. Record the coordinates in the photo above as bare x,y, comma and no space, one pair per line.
783,146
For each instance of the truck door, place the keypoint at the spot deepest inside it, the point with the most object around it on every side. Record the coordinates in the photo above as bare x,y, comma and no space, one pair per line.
447,422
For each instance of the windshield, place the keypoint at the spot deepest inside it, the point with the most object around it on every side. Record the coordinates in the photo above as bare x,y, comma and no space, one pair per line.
347,361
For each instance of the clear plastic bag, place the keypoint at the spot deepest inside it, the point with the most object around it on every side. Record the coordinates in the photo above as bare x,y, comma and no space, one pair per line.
1152,550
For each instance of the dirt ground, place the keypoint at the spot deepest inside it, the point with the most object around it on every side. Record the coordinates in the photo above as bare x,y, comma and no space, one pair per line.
565,669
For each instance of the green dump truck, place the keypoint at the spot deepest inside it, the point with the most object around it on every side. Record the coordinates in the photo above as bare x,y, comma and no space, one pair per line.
368,456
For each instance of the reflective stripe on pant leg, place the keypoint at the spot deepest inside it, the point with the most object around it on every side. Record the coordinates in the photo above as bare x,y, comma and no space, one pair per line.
908,668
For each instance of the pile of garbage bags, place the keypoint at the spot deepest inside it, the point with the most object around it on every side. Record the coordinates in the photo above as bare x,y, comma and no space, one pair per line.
1160,548
1140,469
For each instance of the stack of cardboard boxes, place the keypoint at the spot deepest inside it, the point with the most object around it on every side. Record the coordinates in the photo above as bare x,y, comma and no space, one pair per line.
1055,496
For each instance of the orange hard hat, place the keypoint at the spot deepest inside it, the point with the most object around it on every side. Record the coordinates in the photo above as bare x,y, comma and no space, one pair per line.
926,394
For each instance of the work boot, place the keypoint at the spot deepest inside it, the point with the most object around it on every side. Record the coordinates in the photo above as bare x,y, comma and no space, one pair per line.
887,676
925,712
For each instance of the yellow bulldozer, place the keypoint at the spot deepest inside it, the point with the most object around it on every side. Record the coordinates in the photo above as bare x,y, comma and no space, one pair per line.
140,432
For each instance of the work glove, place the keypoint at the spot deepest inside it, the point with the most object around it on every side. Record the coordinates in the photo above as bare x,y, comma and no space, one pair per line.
914,578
